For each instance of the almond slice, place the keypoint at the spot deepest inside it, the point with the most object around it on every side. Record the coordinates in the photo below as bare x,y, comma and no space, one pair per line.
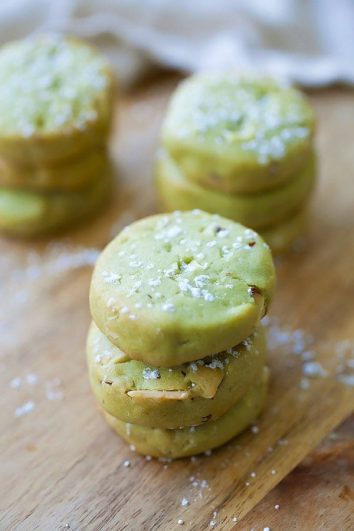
159,395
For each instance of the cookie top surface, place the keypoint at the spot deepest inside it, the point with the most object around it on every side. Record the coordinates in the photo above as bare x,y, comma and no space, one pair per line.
49,84
178,287
226,113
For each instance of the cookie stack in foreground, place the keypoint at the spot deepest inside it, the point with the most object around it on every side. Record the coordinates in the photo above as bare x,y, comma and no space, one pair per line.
176,352
55,117
242,148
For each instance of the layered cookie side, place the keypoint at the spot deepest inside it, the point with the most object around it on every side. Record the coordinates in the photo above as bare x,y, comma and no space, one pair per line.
184,395
257,210
30,213
184,442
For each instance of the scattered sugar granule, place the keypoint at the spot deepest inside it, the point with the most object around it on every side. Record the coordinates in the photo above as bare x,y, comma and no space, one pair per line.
313,369
31,378
126,463
148,458
273,472
164,459
184,502
277,506
212,523
180,521
52,389
308,355
255,429
266,528
215,364
168,307
15,383
235,519
253,474
304,384
347,379
111,278
151,374
283,442
132,448
26,408
193,366
222,233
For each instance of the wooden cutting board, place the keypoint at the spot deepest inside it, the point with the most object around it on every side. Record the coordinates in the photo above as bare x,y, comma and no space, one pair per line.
63,468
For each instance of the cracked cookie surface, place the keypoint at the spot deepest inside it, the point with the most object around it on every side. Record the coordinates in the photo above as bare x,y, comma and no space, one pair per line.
184,442
184,395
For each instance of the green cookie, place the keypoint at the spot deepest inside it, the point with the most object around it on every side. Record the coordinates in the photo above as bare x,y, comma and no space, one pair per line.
179,287
71,175
186,395
194,440
254,210
238,134
29,214
56,97
281,237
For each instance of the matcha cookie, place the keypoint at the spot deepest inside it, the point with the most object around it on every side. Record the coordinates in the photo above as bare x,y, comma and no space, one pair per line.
70,175
238,134
255,210
176,288
281,237
194,440
185,395
26,213
55,99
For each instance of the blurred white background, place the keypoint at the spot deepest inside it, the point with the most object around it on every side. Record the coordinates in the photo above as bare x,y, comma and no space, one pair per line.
310,42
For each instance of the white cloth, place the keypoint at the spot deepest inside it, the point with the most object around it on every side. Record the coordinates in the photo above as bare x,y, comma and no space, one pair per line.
310,42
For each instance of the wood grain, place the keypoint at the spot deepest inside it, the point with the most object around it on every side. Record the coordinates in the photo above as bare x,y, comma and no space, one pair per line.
62,466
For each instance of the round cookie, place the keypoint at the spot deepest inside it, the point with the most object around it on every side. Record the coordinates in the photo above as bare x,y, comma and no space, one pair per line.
255,210
282,237
238,134
29,214
185,395
184,442
178,287
55,99
70,175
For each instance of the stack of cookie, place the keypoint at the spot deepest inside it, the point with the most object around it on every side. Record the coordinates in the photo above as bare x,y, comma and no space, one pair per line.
176,352
242,148
56,97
